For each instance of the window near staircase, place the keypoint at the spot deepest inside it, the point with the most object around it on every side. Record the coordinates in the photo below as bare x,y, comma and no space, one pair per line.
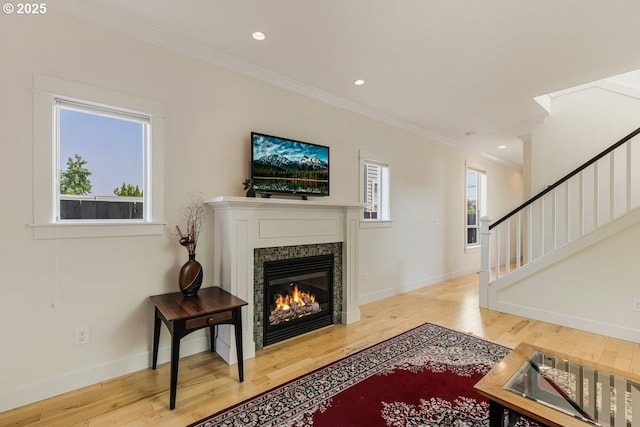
476,198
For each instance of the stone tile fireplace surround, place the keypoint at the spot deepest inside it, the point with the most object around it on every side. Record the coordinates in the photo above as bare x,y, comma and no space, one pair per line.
244,224
281,253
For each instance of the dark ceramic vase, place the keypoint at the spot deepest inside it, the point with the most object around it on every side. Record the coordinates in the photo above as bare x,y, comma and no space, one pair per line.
190,277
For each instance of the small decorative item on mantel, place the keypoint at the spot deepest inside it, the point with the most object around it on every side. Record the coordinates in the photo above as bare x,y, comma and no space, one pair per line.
190,277
248,187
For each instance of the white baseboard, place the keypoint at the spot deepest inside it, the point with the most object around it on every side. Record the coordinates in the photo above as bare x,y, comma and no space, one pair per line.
378,295
562,319
407,287
54,386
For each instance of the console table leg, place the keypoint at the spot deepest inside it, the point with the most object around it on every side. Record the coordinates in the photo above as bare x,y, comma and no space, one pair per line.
175,357
156,340
496,414
237,314
213,330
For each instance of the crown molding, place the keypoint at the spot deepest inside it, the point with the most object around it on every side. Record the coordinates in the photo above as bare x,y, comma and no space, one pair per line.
606,84
122,24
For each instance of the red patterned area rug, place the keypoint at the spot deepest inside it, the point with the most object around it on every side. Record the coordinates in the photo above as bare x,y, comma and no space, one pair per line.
423,377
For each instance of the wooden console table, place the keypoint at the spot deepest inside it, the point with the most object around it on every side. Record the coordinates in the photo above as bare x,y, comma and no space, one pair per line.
210,307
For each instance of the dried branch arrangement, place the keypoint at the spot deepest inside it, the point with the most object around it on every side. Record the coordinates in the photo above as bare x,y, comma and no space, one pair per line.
194,216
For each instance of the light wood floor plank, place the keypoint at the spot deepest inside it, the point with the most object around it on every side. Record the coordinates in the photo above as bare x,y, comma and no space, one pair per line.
207,384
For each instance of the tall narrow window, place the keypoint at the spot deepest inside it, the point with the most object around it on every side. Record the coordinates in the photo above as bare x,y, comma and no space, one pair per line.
475,208
101,163
375,191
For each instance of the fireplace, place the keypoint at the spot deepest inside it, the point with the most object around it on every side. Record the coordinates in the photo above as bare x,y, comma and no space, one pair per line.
248,231
298,296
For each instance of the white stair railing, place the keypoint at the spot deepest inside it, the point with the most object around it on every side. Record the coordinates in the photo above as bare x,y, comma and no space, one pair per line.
593,195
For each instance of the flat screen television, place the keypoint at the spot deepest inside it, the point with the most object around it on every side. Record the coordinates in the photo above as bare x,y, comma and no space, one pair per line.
282,165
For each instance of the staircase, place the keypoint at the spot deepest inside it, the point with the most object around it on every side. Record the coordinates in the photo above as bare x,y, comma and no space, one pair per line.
593,202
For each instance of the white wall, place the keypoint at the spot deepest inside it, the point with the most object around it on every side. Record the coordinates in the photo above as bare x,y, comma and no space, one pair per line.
581,125
51,287
426,243
592,289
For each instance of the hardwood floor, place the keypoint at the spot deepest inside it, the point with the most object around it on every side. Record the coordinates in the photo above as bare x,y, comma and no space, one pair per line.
207,384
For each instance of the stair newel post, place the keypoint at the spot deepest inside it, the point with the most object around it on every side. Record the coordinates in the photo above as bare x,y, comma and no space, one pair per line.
485,270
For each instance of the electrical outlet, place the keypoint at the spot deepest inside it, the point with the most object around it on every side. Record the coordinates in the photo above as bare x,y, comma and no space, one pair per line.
636,304
82,335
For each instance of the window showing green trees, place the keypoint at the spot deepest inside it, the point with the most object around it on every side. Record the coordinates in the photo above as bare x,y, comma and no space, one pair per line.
128,190
101,162
75,179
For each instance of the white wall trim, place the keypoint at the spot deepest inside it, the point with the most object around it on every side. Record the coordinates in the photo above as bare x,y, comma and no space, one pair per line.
54,386
412,286
605,84
580,323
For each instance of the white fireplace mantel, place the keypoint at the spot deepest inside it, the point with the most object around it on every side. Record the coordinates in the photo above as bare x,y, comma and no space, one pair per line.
242,224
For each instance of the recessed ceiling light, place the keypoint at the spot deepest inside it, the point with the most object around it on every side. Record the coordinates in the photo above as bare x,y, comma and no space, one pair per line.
502,147
259,35
358,82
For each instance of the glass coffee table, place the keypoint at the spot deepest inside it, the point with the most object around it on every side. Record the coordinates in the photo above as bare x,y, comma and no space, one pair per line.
558,390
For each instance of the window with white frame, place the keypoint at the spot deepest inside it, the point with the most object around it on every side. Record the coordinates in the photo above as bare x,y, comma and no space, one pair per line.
476,204
98,162
101,162
375,190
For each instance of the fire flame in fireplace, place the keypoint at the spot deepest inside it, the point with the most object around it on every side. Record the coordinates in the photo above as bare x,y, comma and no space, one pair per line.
300,299
293,306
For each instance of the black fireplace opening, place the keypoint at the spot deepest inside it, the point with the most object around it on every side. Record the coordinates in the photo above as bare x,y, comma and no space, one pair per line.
298,296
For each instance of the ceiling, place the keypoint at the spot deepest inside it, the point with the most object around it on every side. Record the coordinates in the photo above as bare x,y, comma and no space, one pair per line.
464,72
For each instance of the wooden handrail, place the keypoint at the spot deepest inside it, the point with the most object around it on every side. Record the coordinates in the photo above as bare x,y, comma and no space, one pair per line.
566,177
